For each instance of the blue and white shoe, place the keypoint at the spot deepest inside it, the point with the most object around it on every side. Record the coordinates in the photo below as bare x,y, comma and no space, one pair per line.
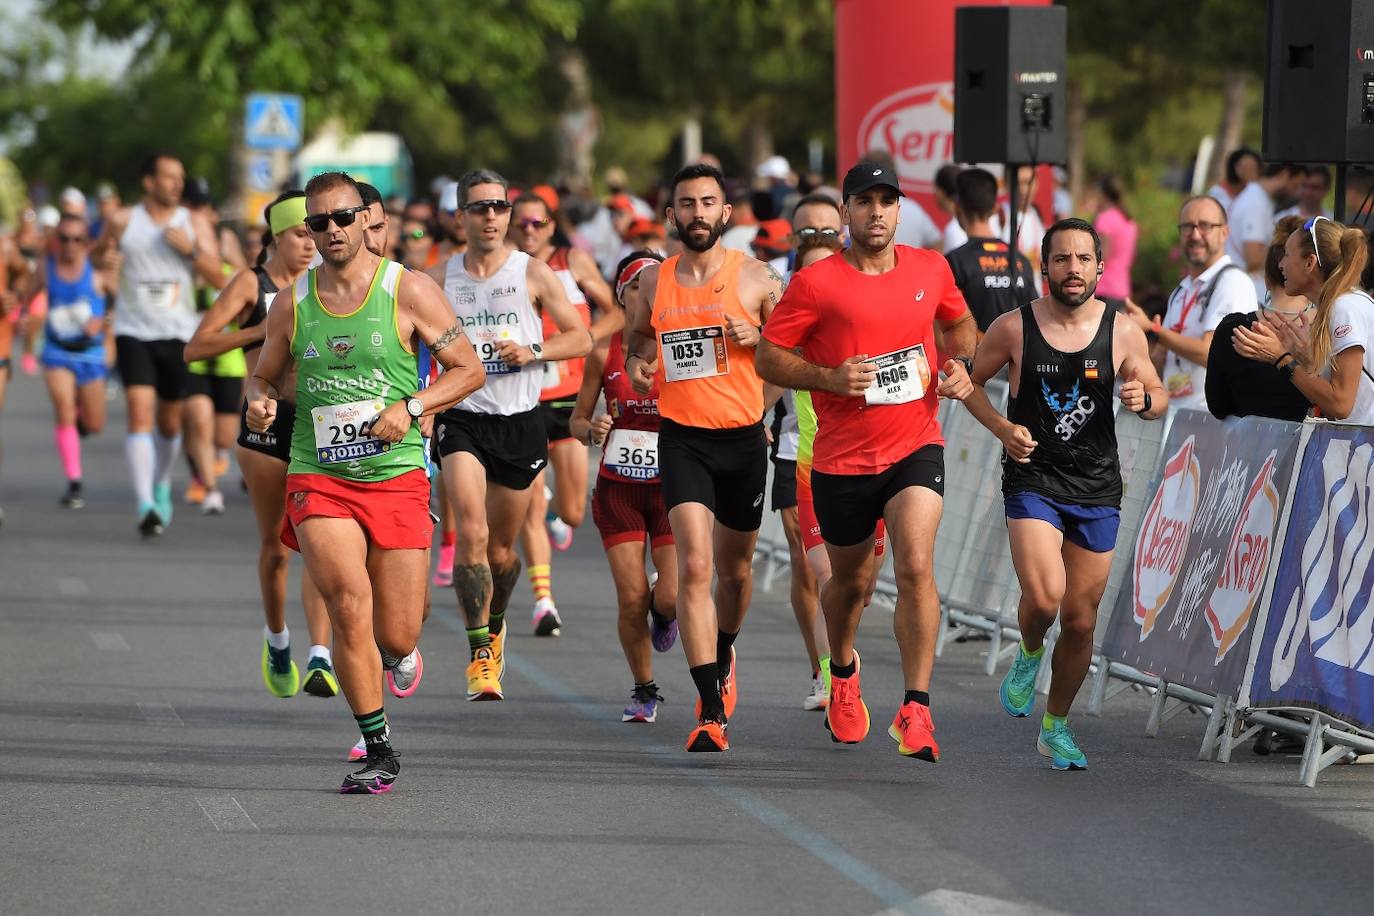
643,704
1018,687
1058,744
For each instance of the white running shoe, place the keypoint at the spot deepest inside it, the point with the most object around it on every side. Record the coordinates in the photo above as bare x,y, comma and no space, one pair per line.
818,698
560,533
546,620
213,503
403,674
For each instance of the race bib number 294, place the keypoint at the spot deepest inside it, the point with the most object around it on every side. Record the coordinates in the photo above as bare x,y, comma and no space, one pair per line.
343,432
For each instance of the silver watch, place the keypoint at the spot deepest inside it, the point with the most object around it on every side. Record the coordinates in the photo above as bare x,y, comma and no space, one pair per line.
415,407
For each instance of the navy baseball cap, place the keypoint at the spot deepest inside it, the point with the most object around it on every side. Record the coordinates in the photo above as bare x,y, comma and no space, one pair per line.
868,175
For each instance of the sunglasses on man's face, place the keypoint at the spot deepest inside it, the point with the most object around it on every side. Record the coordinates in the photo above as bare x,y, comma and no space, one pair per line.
538,222
71,239
482,206
810,233
341,218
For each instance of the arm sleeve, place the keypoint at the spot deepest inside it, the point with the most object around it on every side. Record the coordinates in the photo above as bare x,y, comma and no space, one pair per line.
794,316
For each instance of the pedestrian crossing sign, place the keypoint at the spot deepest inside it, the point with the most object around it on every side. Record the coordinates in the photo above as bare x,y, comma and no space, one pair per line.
273,121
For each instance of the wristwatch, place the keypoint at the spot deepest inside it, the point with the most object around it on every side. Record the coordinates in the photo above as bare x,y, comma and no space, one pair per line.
968,364
1146,409
1286,370
415,408
537,350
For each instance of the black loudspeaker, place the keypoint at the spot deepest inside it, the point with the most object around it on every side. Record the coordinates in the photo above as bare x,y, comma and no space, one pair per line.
1319,81
1009,83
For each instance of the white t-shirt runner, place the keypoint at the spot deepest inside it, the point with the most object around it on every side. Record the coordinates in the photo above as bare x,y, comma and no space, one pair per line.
1192,313
156,285
491,311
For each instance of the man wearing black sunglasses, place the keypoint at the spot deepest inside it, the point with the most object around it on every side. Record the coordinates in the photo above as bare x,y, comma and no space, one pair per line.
357,497
493,445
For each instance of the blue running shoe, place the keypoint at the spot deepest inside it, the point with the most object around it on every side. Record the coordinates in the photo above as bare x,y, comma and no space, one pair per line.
1057,743
162,501
1018,687
643,704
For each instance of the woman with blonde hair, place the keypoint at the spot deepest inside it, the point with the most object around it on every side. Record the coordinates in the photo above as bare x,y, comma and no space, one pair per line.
1329,362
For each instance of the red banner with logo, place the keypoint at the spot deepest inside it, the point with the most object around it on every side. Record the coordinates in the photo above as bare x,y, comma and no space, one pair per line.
894,87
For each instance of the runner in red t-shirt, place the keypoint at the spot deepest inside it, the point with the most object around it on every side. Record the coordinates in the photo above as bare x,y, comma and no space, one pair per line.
858,331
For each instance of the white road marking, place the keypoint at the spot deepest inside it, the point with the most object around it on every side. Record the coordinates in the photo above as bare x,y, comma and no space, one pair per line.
109,642
226,814
160,714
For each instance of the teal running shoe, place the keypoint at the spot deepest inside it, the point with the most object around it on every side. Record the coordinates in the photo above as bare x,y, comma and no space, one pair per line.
1057,743
1018,687
162,501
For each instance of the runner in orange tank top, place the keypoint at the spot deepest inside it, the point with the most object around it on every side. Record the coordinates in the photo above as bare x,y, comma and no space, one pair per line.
697,336
532,228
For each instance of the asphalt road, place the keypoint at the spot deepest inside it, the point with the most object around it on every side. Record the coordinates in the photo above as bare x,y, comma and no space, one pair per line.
146,769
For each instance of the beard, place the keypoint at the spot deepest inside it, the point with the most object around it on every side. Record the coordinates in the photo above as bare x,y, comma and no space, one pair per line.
684,233
1076,299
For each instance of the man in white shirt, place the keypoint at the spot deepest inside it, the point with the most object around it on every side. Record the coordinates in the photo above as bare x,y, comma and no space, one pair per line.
1213,288
1251,217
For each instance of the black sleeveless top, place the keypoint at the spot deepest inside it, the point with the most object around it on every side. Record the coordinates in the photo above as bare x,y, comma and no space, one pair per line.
259,314
1065,400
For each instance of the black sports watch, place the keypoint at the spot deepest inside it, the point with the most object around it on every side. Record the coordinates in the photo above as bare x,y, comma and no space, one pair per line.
1146,409
968,364
415,408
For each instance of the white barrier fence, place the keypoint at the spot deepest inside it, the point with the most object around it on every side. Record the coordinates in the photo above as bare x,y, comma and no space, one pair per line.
979,592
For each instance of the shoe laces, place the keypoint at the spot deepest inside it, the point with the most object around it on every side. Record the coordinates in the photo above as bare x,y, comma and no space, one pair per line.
844,693
645,693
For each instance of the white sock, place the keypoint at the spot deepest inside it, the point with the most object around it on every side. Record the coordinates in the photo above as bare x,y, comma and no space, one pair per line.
321,652
167,450
278,640
138,449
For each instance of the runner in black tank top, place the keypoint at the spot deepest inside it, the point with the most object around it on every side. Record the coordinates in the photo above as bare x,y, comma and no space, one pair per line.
1065,400
1061,477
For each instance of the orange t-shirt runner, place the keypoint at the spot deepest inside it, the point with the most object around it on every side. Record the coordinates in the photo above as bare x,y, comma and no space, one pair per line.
563,377
833,311
705,379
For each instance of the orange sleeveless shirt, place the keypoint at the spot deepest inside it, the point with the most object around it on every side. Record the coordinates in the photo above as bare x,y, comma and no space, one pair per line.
705,379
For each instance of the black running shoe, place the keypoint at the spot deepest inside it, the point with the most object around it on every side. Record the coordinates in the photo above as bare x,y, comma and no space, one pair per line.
152,524
73,498
376,777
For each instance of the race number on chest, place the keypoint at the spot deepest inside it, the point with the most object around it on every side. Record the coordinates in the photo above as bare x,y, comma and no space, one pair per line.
343,432
694,353
902,376
633,453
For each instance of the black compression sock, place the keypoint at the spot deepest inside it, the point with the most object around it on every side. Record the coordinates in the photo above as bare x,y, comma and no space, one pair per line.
724,641
707,679
374,731
842,670
916,696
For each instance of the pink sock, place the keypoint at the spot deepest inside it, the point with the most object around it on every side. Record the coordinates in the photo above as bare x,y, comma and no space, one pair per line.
69,447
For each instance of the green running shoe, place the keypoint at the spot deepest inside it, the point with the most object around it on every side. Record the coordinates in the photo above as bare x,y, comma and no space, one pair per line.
319,679
279,672
1057,744
1018,687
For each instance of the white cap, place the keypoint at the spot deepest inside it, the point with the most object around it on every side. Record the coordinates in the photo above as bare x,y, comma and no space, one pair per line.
48,217
774,167
74,197
448,198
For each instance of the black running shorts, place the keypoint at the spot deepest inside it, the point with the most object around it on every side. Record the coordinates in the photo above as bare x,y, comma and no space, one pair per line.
153,362
725,470
512,449
226,392
276,442
848,506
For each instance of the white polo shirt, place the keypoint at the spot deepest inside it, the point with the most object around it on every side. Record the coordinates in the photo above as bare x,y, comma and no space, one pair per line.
1193,314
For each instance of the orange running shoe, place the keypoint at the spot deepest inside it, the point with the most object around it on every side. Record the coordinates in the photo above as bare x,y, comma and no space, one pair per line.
708,736
729,690
914,732
846,717
483,683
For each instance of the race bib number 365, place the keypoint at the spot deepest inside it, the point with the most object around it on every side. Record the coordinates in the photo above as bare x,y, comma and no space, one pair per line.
902,376
632,453
343,432
694,353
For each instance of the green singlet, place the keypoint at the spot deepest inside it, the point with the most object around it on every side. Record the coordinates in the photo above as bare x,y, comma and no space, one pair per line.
349,367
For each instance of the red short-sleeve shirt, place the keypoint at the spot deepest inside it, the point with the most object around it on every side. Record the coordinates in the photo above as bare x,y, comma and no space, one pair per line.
833,311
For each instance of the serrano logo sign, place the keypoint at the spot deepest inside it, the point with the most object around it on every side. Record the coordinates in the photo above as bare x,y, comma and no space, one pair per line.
917,126
1247,556
1163,540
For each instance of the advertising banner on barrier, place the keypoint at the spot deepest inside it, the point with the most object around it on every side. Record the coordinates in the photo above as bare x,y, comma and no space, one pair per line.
1317,641
1203,549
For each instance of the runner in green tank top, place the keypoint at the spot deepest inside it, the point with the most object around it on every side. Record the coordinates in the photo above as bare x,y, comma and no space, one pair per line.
357,498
